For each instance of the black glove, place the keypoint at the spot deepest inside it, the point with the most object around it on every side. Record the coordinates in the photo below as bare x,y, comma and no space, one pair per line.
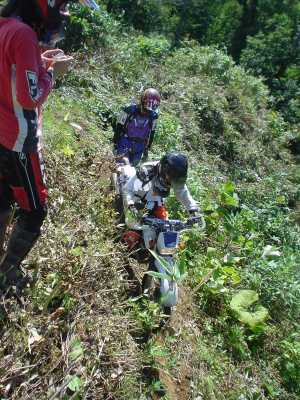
197,217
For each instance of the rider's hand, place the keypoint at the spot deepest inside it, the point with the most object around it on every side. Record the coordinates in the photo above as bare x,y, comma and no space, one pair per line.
57,60
196,216
48,57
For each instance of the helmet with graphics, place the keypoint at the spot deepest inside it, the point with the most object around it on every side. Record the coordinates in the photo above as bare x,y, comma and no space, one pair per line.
150,100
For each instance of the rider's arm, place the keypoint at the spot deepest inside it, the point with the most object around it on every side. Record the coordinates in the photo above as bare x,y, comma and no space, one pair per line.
183,195
33,82
128,191
119,126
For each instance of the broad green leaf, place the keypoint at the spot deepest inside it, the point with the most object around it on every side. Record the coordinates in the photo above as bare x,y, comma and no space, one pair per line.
232,272
253,319
244,298
230,200
76,350
249,245
228,187
239,304
75,383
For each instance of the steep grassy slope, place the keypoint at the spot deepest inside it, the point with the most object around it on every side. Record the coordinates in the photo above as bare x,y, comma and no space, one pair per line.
80,332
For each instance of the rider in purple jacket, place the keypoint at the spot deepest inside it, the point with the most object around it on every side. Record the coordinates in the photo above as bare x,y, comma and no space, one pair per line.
135,127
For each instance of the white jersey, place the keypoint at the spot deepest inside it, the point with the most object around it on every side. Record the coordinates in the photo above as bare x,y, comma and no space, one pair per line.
134,190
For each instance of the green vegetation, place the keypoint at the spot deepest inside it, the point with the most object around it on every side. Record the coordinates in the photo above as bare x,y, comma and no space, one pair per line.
78,334
263,35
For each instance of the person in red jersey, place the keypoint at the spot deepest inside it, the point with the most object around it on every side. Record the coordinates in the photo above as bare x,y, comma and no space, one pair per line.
26,78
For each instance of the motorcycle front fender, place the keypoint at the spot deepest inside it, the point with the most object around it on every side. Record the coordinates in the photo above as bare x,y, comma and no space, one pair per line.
168,288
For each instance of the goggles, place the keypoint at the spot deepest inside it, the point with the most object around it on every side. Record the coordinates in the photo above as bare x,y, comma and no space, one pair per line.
151,105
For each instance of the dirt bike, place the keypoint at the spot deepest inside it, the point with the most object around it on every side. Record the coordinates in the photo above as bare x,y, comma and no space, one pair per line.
162,238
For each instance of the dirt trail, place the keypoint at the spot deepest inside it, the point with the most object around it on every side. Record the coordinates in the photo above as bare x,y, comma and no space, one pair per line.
177,387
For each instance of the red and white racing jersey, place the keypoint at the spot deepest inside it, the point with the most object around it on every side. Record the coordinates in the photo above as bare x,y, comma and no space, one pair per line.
24,85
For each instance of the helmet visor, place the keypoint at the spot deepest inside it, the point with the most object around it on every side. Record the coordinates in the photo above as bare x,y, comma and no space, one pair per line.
173,177
151,104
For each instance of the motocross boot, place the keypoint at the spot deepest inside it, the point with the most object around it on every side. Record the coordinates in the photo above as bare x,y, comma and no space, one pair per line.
4,221
19,245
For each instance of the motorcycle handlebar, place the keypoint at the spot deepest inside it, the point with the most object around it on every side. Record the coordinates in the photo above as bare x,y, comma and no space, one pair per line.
175,223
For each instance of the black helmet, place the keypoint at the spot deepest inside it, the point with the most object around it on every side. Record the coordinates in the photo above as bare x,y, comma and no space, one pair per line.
173,168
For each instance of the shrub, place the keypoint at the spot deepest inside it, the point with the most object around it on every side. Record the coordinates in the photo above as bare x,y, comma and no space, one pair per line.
290,362
88,29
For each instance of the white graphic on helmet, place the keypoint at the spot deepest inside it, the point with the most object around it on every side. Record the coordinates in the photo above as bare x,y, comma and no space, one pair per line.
32,84
51,3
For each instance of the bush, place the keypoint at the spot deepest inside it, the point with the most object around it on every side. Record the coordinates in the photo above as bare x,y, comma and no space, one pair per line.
88,29
154,47
290,362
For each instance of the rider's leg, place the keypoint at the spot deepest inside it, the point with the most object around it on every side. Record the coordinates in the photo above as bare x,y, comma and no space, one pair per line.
23,237
29,191
122,150
136,153
4,221
5,199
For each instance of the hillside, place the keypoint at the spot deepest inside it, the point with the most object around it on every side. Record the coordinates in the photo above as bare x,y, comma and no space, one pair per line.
83,331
